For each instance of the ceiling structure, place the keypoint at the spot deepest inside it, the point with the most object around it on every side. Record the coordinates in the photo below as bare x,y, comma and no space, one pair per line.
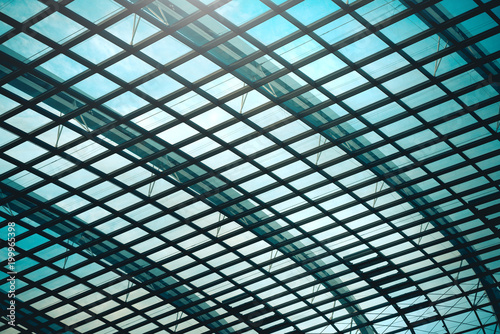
204,166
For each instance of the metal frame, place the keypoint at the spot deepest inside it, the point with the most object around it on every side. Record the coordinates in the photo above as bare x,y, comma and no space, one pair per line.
360,277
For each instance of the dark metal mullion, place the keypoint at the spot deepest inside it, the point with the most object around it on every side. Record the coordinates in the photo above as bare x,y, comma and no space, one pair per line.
331,299
414,307
430,20
141,181
138,79
363,61
216,150
253,294
144,283
449,93
25,25
364,213
119,41
360,273
387,94
389,43
332,211
90,65
381,281
460,152
271,261
117,266
247,196
93,29
226,144
217,255
385,280
137,240
355,170
26,28
391,203
76,280
64,300
335,161
282,216
371,238
247,228
23,315
133,224
491,294
132,259
387,51
201,50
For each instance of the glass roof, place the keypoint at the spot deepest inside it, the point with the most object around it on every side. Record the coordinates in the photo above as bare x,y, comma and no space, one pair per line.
257,166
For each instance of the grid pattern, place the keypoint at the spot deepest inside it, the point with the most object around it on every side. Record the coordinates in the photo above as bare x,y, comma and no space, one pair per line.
198,166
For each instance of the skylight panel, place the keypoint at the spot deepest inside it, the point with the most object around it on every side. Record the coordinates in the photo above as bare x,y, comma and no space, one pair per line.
380,10
177,134
365,98
363,48
323,66
223,85
249,101
86,9
405,81
52,27
222,159
126,103
404,29
234,132
23,10
196,68
129,68
272,30
160,86
63,67
96,49
132,30
25,152
187,103
96,86
234,13
345,83
157,49
310,11
25,48
295,156
339,29
202,31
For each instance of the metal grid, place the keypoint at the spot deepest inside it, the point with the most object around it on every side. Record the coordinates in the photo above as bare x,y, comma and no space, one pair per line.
251,166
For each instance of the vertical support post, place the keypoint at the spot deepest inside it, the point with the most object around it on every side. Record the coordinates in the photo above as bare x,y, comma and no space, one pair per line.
271,258
134,27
